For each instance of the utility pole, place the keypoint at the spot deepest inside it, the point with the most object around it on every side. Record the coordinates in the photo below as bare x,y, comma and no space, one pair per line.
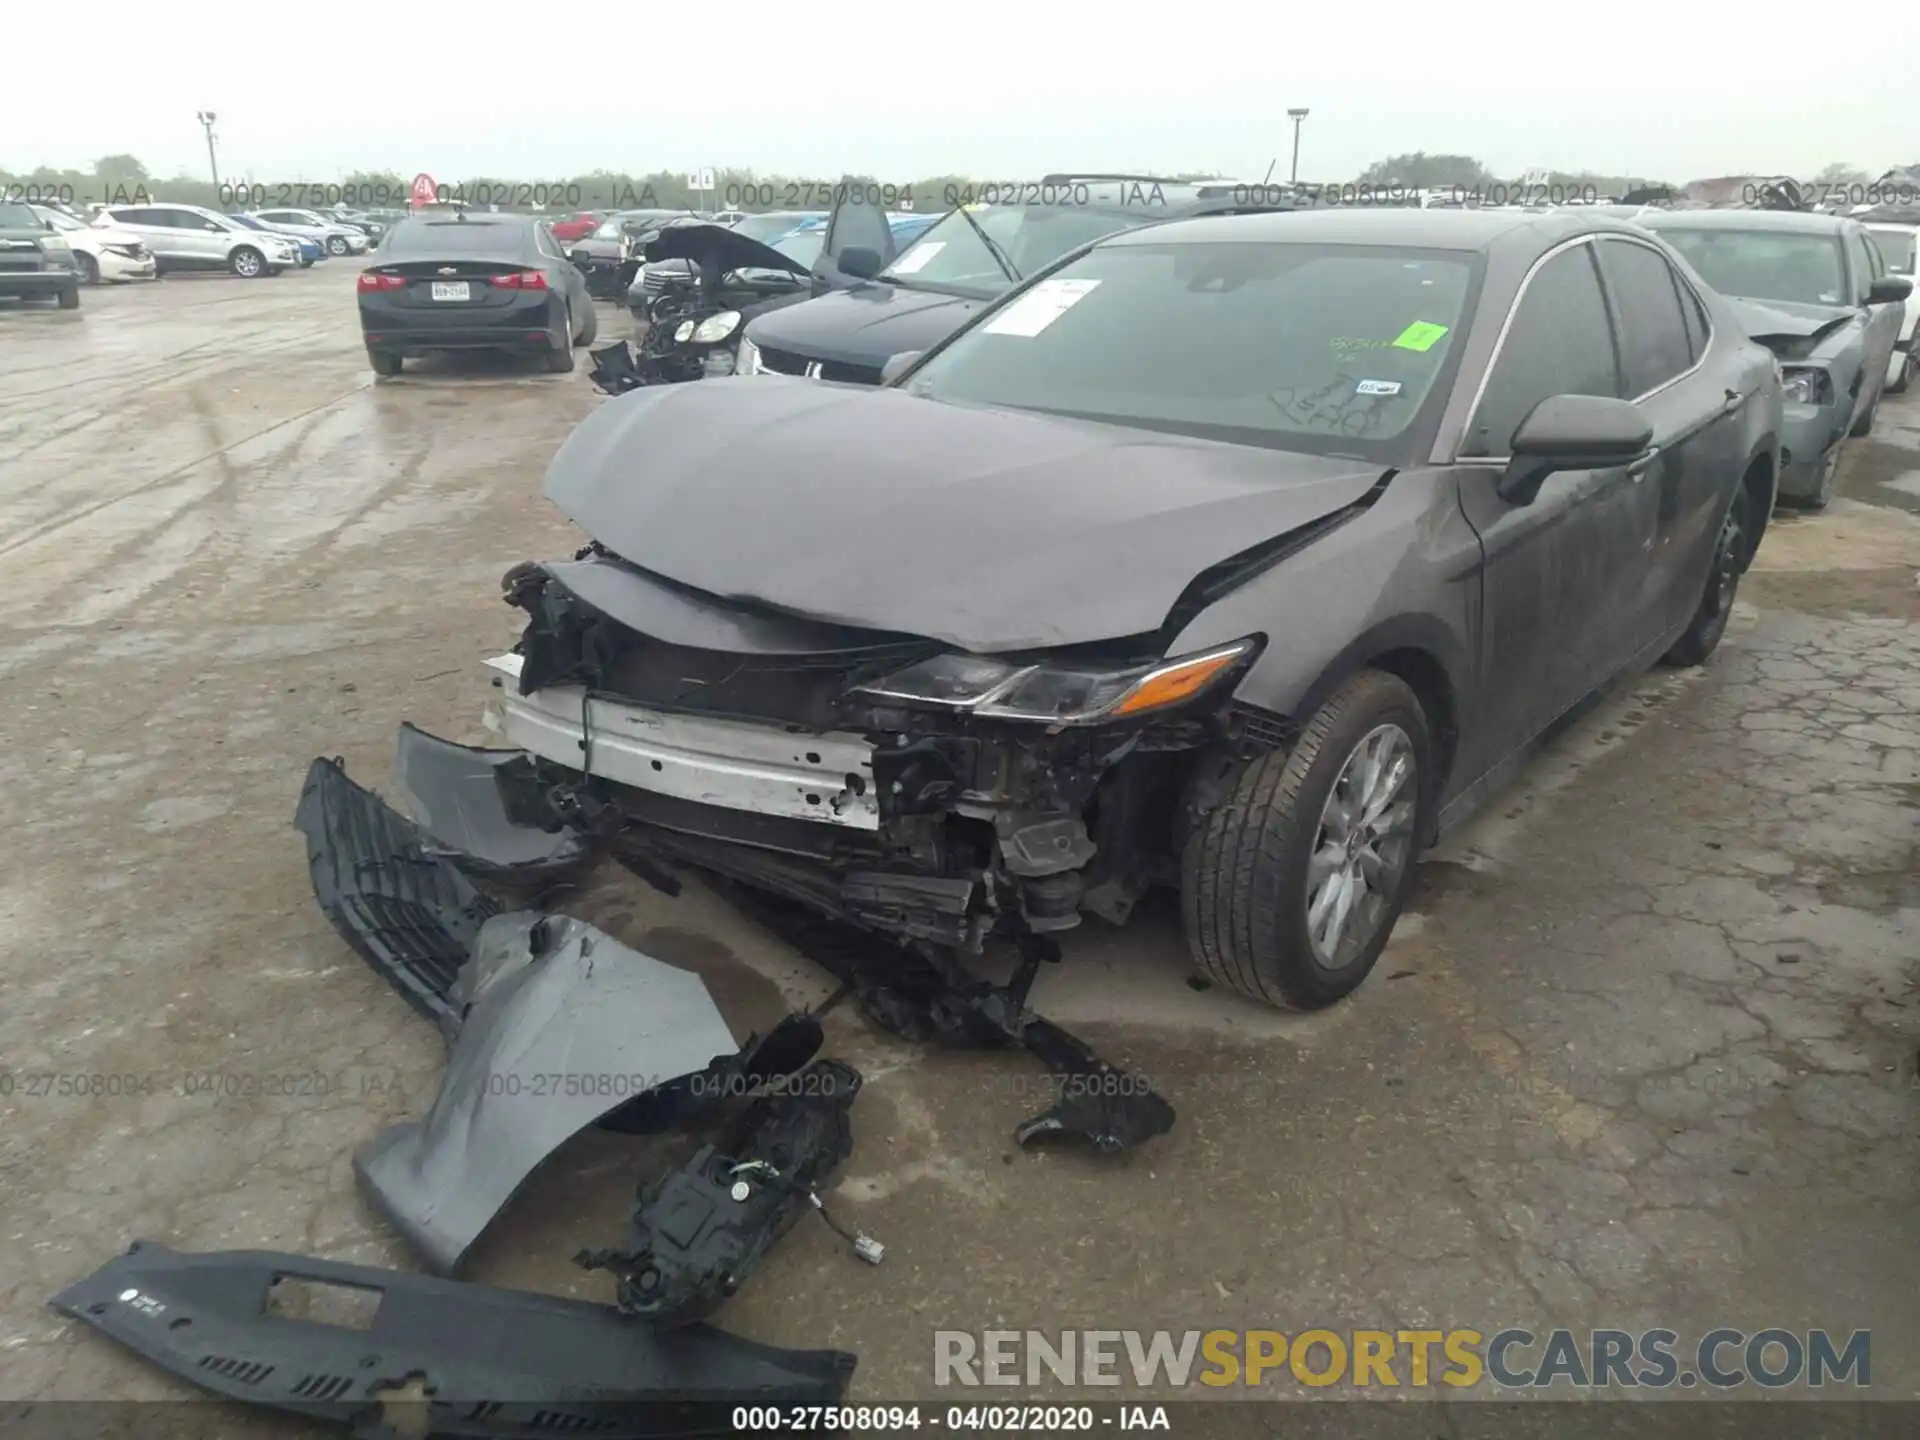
1296,116
206,118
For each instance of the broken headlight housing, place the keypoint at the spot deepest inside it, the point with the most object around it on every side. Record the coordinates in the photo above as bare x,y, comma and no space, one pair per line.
1807,385
715,328
1056,694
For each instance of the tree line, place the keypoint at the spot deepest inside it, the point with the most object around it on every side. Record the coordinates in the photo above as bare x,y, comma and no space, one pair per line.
123,178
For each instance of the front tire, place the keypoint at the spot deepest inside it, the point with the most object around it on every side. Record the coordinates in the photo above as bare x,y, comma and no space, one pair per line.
1709,623
1291,886
70,297
1904,378
336,245
1863,427
89,268
247,262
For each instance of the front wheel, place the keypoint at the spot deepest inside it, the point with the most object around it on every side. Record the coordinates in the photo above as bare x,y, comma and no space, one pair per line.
247,263
70,297
1709,623
1863,427
1291,886
336,245
1904,378
89,268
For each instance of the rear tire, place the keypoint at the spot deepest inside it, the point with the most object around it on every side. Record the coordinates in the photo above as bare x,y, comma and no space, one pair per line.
560,361
384,362
1245,886
89,268
1709,623
247,262
590,331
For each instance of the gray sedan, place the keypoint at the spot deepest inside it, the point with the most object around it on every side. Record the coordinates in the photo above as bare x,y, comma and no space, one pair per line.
1242,555
1816,291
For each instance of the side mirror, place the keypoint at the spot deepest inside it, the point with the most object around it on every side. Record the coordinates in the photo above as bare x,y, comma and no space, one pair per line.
216,229
898,365
1572,432
1889,290
860,262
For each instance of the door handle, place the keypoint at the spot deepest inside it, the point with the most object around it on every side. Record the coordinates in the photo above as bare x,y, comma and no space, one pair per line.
1734,401
1637,471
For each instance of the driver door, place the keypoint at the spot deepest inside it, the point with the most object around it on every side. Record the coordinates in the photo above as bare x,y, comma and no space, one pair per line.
857,220
1882,321
1560,577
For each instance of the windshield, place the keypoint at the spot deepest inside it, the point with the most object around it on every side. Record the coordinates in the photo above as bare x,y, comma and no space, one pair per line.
57,220
1896,248
1324,348
1765,264
456,238
766,228
803,246
950,254
609,230
249,222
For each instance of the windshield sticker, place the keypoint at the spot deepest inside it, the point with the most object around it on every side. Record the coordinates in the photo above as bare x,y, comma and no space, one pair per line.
1040,307
915,260
1420,335
1347,346
1377,387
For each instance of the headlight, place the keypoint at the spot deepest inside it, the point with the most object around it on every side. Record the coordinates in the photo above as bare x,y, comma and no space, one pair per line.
715,328
54,245
683,332
1055,695
748,362
1809,385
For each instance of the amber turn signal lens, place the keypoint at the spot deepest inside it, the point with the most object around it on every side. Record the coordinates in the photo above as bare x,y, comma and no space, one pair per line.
1177,682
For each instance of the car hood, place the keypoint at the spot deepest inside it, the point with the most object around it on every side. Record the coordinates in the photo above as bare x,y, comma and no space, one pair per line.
989,530
867,324
1787,320
718,245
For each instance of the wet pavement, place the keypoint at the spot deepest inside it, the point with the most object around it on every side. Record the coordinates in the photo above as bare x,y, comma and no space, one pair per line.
1643,1053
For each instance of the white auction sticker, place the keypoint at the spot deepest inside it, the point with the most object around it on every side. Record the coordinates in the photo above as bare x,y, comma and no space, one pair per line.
1377,387
915,260
1040,307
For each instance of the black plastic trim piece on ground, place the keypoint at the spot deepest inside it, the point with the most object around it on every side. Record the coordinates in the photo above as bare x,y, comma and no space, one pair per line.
437,1357
411,915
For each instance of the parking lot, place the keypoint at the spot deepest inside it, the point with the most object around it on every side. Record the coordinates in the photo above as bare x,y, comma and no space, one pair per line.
1642,1053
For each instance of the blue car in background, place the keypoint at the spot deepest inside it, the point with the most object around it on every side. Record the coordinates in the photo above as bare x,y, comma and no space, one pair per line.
311,251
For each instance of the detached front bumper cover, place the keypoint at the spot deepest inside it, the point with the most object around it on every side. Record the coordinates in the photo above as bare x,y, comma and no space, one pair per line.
488,1362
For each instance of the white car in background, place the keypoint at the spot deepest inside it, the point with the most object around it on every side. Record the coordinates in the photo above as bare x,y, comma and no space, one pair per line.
1898,244
192,237
338,238
102,252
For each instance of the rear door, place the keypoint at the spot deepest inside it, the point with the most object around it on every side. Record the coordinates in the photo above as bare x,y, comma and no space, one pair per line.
156,232
1677,498
1555,573
858,219
562,273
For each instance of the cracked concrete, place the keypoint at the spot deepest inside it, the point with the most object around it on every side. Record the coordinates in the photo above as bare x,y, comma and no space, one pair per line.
1641,1054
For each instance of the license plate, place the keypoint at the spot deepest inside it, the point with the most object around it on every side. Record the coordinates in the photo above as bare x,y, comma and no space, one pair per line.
450,290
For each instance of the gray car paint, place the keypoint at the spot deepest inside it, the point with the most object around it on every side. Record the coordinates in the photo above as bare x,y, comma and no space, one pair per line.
1854,345
1043,532
989,529
547,998
450,792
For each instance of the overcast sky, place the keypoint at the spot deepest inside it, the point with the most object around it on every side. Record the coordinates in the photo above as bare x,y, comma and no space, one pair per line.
990,88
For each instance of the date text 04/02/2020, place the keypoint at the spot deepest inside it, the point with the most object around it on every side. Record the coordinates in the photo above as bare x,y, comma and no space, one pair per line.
982,1419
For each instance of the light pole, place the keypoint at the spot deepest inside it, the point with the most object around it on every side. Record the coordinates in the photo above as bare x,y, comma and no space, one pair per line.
1296,116
206,118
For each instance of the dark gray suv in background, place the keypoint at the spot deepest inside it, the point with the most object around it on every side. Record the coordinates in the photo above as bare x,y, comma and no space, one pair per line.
1243,555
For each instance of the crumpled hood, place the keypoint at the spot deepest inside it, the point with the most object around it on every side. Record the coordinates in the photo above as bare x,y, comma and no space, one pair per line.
866,325
1788,320
989,530
718,244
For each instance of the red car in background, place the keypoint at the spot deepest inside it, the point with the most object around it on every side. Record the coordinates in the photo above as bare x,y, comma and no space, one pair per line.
576,227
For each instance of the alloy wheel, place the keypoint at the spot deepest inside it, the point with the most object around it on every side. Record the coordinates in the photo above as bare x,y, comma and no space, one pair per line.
1363,846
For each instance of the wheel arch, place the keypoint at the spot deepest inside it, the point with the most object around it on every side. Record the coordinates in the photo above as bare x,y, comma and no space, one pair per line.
1760,481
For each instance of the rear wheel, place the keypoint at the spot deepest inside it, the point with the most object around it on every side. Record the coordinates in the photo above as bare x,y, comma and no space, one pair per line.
1723,580
1291,886
560,361
384,362
590,331
89,268
247,262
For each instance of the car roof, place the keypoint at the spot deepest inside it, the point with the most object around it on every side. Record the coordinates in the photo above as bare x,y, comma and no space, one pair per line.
1798,222
1417,229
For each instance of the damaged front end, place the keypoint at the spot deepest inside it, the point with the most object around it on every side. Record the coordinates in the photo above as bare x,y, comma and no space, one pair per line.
694,331
918,792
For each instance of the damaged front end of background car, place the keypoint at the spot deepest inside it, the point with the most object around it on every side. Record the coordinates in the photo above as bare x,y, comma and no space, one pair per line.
694,332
